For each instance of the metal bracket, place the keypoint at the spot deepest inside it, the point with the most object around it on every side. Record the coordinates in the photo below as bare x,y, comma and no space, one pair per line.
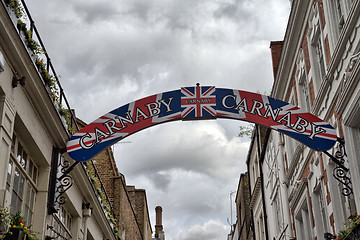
341,172
65,181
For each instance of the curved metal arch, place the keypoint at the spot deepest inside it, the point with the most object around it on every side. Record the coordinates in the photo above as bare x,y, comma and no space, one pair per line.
198,103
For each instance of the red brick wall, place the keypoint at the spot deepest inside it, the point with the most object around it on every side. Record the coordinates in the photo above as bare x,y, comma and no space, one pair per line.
276,47
115,186
327,50
124,211
332,222
322,14
137,198
305,48
312,91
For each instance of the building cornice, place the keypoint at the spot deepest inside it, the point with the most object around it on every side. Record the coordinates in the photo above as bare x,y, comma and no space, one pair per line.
295,27
348,88
294,163
255,193
20,62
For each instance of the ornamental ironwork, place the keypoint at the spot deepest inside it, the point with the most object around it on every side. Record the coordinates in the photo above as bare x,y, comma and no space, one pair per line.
64,182
341,172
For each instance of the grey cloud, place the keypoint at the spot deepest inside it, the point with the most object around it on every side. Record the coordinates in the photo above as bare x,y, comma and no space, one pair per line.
110,53
160,180
211,230
198,147
96,11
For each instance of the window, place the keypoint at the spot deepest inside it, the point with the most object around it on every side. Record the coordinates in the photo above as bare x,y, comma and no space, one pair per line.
21,180
323,211
315,39
60,224
278,214
302,82
320,58
302,223
290,148
320,210
306,98
339,14
336,11
260,227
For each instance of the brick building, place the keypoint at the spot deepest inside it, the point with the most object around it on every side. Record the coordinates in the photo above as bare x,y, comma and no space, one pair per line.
242,229
129,204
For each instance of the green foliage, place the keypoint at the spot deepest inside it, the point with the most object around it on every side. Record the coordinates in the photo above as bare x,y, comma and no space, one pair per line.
5,217
246,130
98,189
349,226
16,7
35,47
16,221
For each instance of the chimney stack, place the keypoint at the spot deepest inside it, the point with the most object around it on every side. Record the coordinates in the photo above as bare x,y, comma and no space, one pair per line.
158,227
276,48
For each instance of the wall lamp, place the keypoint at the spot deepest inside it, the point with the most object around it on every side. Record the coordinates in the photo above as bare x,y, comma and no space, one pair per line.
85,206
329,236
16,80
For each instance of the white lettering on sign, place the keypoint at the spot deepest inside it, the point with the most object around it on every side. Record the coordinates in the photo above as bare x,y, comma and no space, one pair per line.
258,107
117,124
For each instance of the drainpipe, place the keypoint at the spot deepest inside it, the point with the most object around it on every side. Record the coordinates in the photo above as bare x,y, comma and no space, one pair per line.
284,191
261,154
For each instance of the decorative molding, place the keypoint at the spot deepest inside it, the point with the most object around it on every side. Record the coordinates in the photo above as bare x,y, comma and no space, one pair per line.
292,41
294,162
255,193
314,25
296,193
349,81
351,118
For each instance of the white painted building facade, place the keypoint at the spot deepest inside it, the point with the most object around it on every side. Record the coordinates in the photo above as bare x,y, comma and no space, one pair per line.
33,132
318,70
316,67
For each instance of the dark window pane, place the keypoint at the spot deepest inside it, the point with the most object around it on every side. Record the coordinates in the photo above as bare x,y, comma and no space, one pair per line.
19,153
21,187
16,180
24,160
13,144
30,169
35,174
8,179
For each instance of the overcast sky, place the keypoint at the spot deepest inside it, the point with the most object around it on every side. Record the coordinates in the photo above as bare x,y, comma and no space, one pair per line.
110,53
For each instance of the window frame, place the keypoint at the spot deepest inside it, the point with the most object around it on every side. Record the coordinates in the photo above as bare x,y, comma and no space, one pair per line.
19,165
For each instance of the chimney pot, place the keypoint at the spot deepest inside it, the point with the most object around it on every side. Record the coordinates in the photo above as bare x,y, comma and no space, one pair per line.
158,226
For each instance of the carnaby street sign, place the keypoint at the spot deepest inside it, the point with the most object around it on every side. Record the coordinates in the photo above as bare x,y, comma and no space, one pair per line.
197,103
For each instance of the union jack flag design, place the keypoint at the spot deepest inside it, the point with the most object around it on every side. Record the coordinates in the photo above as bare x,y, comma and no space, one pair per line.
122,122
194,103
276,114
198,102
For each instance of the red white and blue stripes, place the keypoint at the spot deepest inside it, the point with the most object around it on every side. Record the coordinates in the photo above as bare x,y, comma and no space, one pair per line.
196,103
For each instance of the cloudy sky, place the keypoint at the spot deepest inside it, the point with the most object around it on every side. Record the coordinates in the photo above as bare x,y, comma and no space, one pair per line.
110,53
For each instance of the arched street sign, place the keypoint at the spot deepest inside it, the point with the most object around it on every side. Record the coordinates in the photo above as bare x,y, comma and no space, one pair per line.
197,103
